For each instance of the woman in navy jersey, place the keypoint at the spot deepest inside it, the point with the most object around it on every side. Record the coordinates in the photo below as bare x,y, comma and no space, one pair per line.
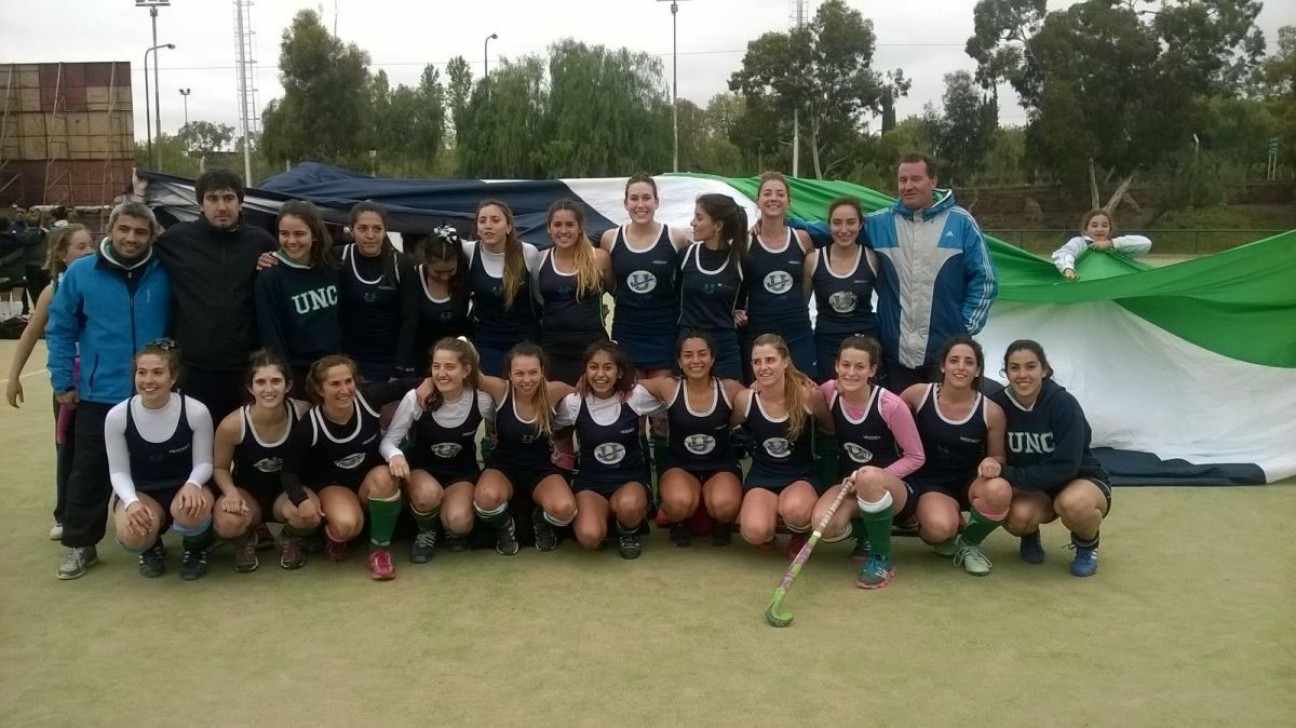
372,306
159,446
335,451
297,299
780,411
439,467
878,446
842,277
963,437
500,270
572,277
774,268
711,276
248,458
645,264
701,465
612,477
1052,470
440,297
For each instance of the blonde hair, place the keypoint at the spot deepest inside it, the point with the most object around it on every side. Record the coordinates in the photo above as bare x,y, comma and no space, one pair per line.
794,382
544,411
59,242
515,272
588,280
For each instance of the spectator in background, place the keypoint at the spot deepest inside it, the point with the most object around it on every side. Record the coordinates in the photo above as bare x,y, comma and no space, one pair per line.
1097,231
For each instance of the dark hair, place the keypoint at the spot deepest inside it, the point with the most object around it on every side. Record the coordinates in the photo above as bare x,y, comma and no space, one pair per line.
687,334
1084,221
319,374
60,212
321,242
388,253
643,177
544,415
265,358
733,222
218,179
515,272
850,202
444,246
167,349
467,354
625,374
965,340
866,344
137,210
1032,346
915,157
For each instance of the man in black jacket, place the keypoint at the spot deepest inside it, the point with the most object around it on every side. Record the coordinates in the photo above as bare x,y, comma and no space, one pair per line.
212,265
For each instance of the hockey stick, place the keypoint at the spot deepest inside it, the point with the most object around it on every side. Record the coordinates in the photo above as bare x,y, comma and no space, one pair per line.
774,613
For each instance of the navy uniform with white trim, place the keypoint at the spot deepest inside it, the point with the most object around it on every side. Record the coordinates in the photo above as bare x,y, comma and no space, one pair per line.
843,305
569,322
776,302
777,461
372,312
699,441
954,449
709,284
646,319
258,464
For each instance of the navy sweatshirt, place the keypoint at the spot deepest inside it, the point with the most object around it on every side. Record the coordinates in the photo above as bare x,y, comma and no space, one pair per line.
1047,444
297,311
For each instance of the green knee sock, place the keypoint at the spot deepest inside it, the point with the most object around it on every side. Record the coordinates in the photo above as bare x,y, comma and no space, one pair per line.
825,457
425,521
979,526
382,520
877,517
200,542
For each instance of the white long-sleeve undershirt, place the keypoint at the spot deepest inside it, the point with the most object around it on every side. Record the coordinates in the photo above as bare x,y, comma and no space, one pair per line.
1065,257
156,425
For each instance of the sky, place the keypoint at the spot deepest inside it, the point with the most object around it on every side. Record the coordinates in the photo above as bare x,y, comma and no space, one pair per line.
926,39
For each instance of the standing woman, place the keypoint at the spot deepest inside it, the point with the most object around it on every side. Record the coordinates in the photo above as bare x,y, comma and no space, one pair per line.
372,312
777,294
335,452
711,275
66,244
645,265
701,465
159,446
780,410
572,278
612,477
439,305
1052,471
842,276
250,446
297,299
441,468
963,437
500,267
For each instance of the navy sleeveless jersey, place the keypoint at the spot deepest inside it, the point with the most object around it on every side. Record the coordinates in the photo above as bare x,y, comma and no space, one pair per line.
438,318
257,463
645,281
160,465
450,450
709,283
954,449
491,320
369,307
700,441
517,444
610,454
844,304
864,441
563,312
775,293
773,454
347,457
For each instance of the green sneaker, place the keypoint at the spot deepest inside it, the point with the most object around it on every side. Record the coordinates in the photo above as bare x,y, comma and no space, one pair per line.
946,548
876,573
970,557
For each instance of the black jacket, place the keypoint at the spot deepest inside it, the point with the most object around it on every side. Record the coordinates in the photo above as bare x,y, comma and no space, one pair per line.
212,279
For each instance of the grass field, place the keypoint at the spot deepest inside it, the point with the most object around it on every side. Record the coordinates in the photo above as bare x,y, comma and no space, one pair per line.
1191,621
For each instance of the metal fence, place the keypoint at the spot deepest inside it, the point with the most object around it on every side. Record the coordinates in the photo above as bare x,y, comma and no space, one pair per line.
1164,242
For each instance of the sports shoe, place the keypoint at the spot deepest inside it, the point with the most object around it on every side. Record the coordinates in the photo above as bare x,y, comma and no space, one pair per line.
970,557
56,532
876,572
546,538
506,543
457,543
1031,550
335,551
264,539
381,567
152,561
860,553
680,535
194,565
245,553
1085,562
722,535
946,548
628,543
795,542
76,560
421,550
291,555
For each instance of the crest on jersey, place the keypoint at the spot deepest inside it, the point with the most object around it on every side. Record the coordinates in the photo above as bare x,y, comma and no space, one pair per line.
700,444
565,290
708,288
350,462
369,296
843,301
446,449
777,447
269,465
610,453
528,438
641,281
859,454
778,281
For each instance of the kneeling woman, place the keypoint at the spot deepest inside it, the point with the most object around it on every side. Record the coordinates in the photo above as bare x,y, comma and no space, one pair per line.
441,469
780,410
1052,471
963,437
159,447
877,448
612,475
701,464
334,451
250,446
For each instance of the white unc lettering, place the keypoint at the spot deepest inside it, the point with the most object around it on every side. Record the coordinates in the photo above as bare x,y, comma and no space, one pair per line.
315,300
1030,443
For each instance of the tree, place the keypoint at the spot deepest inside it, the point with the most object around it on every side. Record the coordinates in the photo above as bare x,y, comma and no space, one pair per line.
965,130
458,91
500,135
896,87
822,73
204,136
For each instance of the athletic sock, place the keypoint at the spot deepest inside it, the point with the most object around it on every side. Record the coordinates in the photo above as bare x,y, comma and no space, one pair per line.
825,458
382,520
981,525
1081,543
199,542
495,519
425,521
554,521
877,517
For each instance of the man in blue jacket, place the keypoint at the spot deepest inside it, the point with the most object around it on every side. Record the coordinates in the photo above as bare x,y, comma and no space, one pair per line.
107,307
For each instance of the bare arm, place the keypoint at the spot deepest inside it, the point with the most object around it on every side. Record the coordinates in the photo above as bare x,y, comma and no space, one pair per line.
807,274
26,344
228,434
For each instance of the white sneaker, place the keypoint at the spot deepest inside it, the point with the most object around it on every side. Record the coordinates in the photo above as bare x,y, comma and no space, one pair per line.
56,531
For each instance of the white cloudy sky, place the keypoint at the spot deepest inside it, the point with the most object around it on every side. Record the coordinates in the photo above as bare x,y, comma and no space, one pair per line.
925,38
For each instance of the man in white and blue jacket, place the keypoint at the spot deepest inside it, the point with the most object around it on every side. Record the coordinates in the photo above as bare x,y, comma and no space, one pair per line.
106,308
936,276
